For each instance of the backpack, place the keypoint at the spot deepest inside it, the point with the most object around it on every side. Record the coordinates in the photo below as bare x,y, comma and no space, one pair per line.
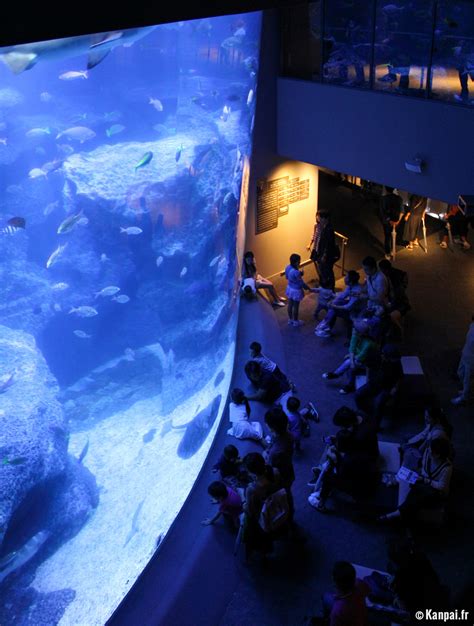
275,511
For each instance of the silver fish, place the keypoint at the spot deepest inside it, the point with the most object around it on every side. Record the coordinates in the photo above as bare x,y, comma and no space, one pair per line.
78,133
36,172
84,311
214,260
15,560
73,75
81,334
38,132
159,261
60,286
131,230
156,104
183,272
52,206
122,299
107,291
55,256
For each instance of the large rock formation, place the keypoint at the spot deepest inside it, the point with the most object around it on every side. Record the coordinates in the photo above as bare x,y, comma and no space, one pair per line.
33,432
33,449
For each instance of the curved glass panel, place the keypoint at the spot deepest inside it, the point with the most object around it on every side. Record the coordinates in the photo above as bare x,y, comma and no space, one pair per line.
348,34
453,54
122,160
403,46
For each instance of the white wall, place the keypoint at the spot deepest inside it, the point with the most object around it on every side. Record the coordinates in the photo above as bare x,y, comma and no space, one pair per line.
272,248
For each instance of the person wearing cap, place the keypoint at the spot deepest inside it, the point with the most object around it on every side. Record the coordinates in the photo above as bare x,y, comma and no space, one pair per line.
466,367
372,397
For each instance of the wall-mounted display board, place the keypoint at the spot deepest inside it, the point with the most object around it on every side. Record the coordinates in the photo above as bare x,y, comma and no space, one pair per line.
274,198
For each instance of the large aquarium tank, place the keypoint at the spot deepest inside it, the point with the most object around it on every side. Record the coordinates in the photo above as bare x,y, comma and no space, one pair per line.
123,166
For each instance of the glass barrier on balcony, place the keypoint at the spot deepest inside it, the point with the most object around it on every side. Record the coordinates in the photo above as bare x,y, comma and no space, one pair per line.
403,46
421,48
452,75
348,30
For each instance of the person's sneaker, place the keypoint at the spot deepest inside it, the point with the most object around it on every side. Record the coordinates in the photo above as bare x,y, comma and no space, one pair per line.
323,332
443,245
329,375
388,257
316,503
466,245
346,389
298,322
416,243
316,469
458,401
278,303
312,482
290,323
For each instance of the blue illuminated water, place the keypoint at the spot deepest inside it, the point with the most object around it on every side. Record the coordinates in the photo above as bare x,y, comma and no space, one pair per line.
116,352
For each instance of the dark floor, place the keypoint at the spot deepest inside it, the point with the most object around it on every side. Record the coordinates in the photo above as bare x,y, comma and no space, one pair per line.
441,290
195,580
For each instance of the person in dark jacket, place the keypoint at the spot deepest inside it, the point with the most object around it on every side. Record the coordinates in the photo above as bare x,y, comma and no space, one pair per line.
398,305
372,397
324,252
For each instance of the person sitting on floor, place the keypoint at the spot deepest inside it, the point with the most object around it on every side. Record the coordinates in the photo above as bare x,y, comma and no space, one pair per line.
249,272
343,305
437,427
363,352
372,397
270,388
230,504
346,607
239,414
432,487
230,468
326,295
267,364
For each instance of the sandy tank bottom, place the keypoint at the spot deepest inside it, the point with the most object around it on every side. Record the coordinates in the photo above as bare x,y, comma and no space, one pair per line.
147,481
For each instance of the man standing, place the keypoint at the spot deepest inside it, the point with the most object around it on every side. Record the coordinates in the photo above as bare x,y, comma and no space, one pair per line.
466,367
390,211
324,253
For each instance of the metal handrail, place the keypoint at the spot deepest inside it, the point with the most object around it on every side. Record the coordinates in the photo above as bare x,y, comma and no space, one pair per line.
345,241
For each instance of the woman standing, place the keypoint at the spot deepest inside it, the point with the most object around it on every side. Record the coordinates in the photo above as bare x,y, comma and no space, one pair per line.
413,218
